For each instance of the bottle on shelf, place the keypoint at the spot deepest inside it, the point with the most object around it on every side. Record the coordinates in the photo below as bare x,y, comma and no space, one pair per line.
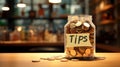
60,35
32,36
4,36
5,32
22,33
40,33
32,14
22,13
41,12
15,35
50,36
47,33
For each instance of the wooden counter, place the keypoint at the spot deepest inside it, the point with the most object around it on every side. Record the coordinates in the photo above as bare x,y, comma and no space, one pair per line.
25,60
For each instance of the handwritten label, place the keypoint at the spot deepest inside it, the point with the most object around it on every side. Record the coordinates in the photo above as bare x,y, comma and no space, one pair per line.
77,40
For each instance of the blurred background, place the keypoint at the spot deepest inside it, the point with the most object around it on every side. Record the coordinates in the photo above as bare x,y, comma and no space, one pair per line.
38,25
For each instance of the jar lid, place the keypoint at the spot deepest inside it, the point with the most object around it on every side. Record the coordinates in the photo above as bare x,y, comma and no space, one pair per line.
79,17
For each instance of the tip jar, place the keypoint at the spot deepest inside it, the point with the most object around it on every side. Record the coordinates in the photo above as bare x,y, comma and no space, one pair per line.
79,37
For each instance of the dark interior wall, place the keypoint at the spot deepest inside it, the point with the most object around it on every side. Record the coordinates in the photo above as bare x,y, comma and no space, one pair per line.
10,14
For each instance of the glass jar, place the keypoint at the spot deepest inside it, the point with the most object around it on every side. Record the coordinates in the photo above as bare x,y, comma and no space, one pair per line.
79,35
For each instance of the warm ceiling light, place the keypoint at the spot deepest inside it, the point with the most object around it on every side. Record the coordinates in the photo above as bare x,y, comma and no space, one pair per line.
5,8
21,4
55,1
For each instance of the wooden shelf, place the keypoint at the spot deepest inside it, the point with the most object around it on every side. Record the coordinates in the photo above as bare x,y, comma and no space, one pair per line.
43,18
108,47
30,43
107,22
107,7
